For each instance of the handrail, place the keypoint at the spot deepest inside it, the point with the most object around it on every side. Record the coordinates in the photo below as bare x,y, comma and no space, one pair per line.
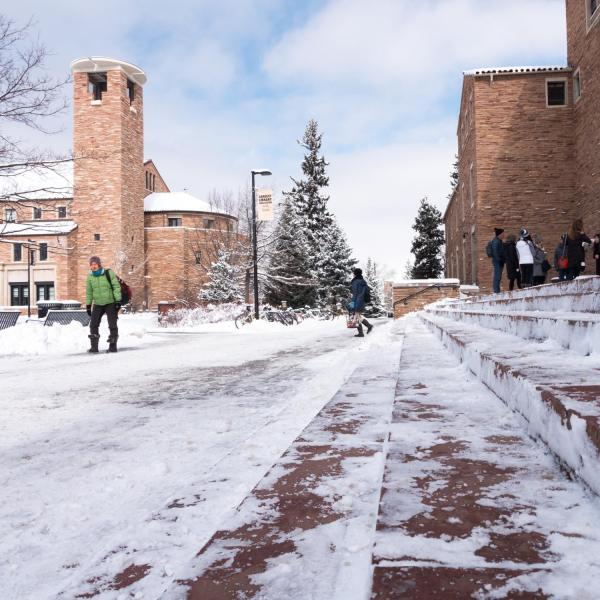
414,294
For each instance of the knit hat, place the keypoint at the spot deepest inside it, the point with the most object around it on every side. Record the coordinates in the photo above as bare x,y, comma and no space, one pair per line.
498,231
95,259
523,233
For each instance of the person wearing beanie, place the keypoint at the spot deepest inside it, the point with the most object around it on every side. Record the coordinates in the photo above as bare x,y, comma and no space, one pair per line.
359,300
498,258
512,262
525,250
103,296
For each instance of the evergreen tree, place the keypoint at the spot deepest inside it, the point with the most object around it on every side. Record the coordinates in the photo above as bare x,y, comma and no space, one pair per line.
454,176
223,285
334,266
428,243
290,274
375,283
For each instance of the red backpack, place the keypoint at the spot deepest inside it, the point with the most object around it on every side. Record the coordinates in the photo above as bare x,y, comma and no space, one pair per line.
125,289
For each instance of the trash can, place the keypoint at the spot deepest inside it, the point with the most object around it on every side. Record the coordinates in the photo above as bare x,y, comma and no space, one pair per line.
70,305
44,306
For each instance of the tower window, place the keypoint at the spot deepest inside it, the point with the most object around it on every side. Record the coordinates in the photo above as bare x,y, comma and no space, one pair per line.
97,84
556,93
153,181
37,213
209,223
43,251
62,212
96,237
174,221
17,252
198,256
10,214
130,90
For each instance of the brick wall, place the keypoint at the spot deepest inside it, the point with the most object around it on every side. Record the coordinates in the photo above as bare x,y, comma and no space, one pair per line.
523,157
426,295
584,55
109,179
156,183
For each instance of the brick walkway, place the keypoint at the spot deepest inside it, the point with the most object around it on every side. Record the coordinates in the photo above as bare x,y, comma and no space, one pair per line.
466,506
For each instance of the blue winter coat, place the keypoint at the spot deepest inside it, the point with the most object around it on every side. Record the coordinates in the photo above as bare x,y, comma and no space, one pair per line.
359,287
498,255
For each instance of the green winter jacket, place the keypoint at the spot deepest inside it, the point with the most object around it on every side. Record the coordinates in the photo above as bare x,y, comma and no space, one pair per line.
99,292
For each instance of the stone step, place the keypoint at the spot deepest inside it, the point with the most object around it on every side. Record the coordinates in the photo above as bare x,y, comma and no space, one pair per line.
306,530
578,332
558,393
471,507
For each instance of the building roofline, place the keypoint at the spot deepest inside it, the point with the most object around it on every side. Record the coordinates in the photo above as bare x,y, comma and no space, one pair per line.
93,64
485,71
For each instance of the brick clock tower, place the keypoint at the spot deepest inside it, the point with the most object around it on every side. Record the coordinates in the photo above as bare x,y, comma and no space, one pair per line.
108,145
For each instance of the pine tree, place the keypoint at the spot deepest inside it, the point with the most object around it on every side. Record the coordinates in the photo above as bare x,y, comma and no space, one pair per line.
223,285
289,274
375,283
334,266
454,174
428,243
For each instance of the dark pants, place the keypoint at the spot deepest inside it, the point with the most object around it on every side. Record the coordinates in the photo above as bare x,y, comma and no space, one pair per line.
597,266
511,281
573,272
498,266
526,274
562,274
111,314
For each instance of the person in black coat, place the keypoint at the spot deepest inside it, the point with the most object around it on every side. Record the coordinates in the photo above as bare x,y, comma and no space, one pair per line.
512,262
559,252
596,252
575,251
359,289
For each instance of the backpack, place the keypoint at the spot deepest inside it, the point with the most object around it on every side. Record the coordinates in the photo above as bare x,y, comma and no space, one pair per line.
125,289
367,294
488,249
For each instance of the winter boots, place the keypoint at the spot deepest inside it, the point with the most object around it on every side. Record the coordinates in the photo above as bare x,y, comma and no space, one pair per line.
94,339
360,331
112,343
368,325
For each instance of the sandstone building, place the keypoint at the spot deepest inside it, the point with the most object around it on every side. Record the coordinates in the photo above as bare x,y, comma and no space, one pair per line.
108,202
529,151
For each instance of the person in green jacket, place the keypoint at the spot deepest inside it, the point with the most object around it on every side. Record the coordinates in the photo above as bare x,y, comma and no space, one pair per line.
103,296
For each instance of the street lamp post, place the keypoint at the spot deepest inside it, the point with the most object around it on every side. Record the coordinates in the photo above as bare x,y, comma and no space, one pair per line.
254,240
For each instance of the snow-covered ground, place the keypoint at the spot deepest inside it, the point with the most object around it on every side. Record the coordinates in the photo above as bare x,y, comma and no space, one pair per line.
96,447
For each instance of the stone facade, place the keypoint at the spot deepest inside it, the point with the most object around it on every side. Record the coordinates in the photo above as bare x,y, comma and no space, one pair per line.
410,296
522,162
163,250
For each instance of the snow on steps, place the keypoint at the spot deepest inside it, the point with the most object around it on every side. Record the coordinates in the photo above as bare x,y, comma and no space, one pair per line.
306,530
557,391
579,332
580,295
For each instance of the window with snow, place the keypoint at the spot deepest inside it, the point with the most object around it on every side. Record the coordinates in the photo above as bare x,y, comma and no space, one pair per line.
44,291
10,215
97,85
43,251
130,91
556,92
174,221
37,213
17,252
62,212
198,256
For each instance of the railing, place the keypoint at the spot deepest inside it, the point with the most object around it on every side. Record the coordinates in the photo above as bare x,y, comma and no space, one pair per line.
415,294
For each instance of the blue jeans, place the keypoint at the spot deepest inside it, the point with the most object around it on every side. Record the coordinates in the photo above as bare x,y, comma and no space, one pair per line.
498,267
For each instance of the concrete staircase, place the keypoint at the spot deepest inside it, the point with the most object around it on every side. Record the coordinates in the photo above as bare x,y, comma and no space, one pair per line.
539,350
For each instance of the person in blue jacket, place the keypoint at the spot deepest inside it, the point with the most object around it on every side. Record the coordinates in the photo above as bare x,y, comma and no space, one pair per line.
498,258
359,290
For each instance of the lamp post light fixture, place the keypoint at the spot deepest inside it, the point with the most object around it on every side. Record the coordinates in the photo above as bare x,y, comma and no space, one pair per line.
264,172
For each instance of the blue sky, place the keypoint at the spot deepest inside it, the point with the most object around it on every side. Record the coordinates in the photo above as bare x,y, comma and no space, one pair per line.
231,85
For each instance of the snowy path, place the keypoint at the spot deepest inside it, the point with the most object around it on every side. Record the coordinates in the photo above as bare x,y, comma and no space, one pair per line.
136,457
471,506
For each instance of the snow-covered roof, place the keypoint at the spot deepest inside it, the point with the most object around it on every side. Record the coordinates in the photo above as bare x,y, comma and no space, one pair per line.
31,228
37,183
93,64
516,70
175,202
425,282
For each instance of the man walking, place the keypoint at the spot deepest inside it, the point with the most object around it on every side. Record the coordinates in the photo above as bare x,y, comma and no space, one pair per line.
360,293
498,258
103,296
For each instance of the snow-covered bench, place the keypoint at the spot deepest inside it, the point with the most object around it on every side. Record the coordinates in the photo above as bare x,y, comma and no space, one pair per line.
64,317
8,318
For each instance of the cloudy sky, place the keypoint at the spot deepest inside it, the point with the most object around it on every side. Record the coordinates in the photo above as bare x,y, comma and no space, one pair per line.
231,85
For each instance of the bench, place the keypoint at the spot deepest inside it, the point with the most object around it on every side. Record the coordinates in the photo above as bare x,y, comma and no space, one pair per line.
64,317
8,318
